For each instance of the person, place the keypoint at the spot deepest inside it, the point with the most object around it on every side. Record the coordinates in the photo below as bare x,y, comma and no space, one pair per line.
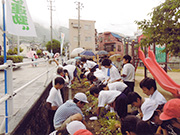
132,125
119,86
70,111
83,132
128,72
112,73
72,71
171,116
35,57
91,65
156,120
128,126
115,99
64,91
148,85
143,128
97,78
118,63
136,101
74,126
54,100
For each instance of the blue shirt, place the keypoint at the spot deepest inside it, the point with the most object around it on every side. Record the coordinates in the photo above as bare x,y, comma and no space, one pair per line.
66,110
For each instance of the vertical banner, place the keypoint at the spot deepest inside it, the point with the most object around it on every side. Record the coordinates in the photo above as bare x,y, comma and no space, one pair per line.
62,41
18,19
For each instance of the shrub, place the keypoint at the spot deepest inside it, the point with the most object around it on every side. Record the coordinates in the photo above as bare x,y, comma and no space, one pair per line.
15,59
14,51
39,52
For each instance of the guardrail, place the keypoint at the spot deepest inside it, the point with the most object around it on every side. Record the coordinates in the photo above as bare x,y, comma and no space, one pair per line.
8,97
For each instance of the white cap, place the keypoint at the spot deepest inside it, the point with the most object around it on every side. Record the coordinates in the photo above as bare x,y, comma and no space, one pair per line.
148,108
81,97
74,126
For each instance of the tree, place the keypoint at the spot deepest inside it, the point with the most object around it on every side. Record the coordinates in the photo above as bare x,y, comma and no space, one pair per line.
55,46
163,27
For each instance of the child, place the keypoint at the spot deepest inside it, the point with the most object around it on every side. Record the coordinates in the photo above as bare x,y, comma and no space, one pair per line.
54,100
115,99
136,100
119,86
112,73
171,116
128,73
89,64
148,85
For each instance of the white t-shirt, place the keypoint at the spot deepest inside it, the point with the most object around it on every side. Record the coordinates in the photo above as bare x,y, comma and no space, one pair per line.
70,69
107,97
89,64
114,74
128,70
158,97
119,86
55,97
57,75
99,74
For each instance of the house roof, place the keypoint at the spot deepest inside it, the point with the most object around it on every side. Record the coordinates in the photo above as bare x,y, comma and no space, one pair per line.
117,36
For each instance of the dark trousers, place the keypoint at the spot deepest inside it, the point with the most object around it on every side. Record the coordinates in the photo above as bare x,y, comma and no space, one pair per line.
126,90
121,103
50,119
64,93
130,85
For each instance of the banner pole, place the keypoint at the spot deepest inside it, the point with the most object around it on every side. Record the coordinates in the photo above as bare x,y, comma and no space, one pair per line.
5,72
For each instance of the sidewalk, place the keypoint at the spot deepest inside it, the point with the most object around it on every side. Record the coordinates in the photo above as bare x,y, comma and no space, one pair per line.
26,98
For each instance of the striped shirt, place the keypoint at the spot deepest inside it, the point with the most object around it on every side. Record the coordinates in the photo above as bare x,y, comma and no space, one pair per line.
66,110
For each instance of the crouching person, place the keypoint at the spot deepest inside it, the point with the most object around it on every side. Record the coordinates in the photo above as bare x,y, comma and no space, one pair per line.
115,99
70,111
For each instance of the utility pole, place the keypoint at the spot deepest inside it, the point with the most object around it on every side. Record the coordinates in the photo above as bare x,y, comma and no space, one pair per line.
79,7
51,9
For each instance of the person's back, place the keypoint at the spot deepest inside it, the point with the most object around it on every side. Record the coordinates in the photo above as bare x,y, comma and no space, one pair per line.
66,110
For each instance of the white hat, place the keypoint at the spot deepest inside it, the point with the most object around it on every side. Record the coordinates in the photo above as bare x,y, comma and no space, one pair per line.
81,97
74,126
148,108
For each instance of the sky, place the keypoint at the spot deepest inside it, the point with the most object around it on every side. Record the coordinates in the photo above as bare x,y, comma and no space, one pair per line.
110,15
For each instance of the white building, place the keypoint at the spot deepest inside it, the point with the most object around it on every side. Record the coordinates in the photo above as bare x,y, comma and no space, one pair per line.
87,34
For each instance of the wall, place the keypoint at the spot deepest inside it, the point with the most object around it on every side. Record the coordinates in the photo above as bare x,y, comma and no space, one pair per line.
35,122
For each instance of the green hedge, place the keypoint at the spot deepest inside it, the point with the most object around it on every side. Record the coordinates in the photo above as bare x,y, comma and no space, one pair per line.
15,59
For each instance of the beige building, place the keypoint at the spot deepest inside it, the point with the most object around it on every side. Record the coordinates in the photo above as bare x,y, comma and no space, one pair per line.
87,34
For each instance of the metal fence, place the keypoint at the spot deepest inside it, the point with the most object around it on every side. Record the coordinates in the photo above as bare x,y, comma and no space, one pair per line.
8,96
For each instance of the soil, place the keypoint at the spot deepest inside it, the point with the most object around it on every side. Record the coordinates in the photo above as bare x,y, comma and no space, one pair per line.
94,126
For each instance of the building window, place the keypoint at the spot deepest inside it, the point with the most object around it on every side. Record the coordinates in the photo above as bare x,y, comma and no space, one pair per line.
109,48
119,48
75,25
88,39
75,39
87,27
